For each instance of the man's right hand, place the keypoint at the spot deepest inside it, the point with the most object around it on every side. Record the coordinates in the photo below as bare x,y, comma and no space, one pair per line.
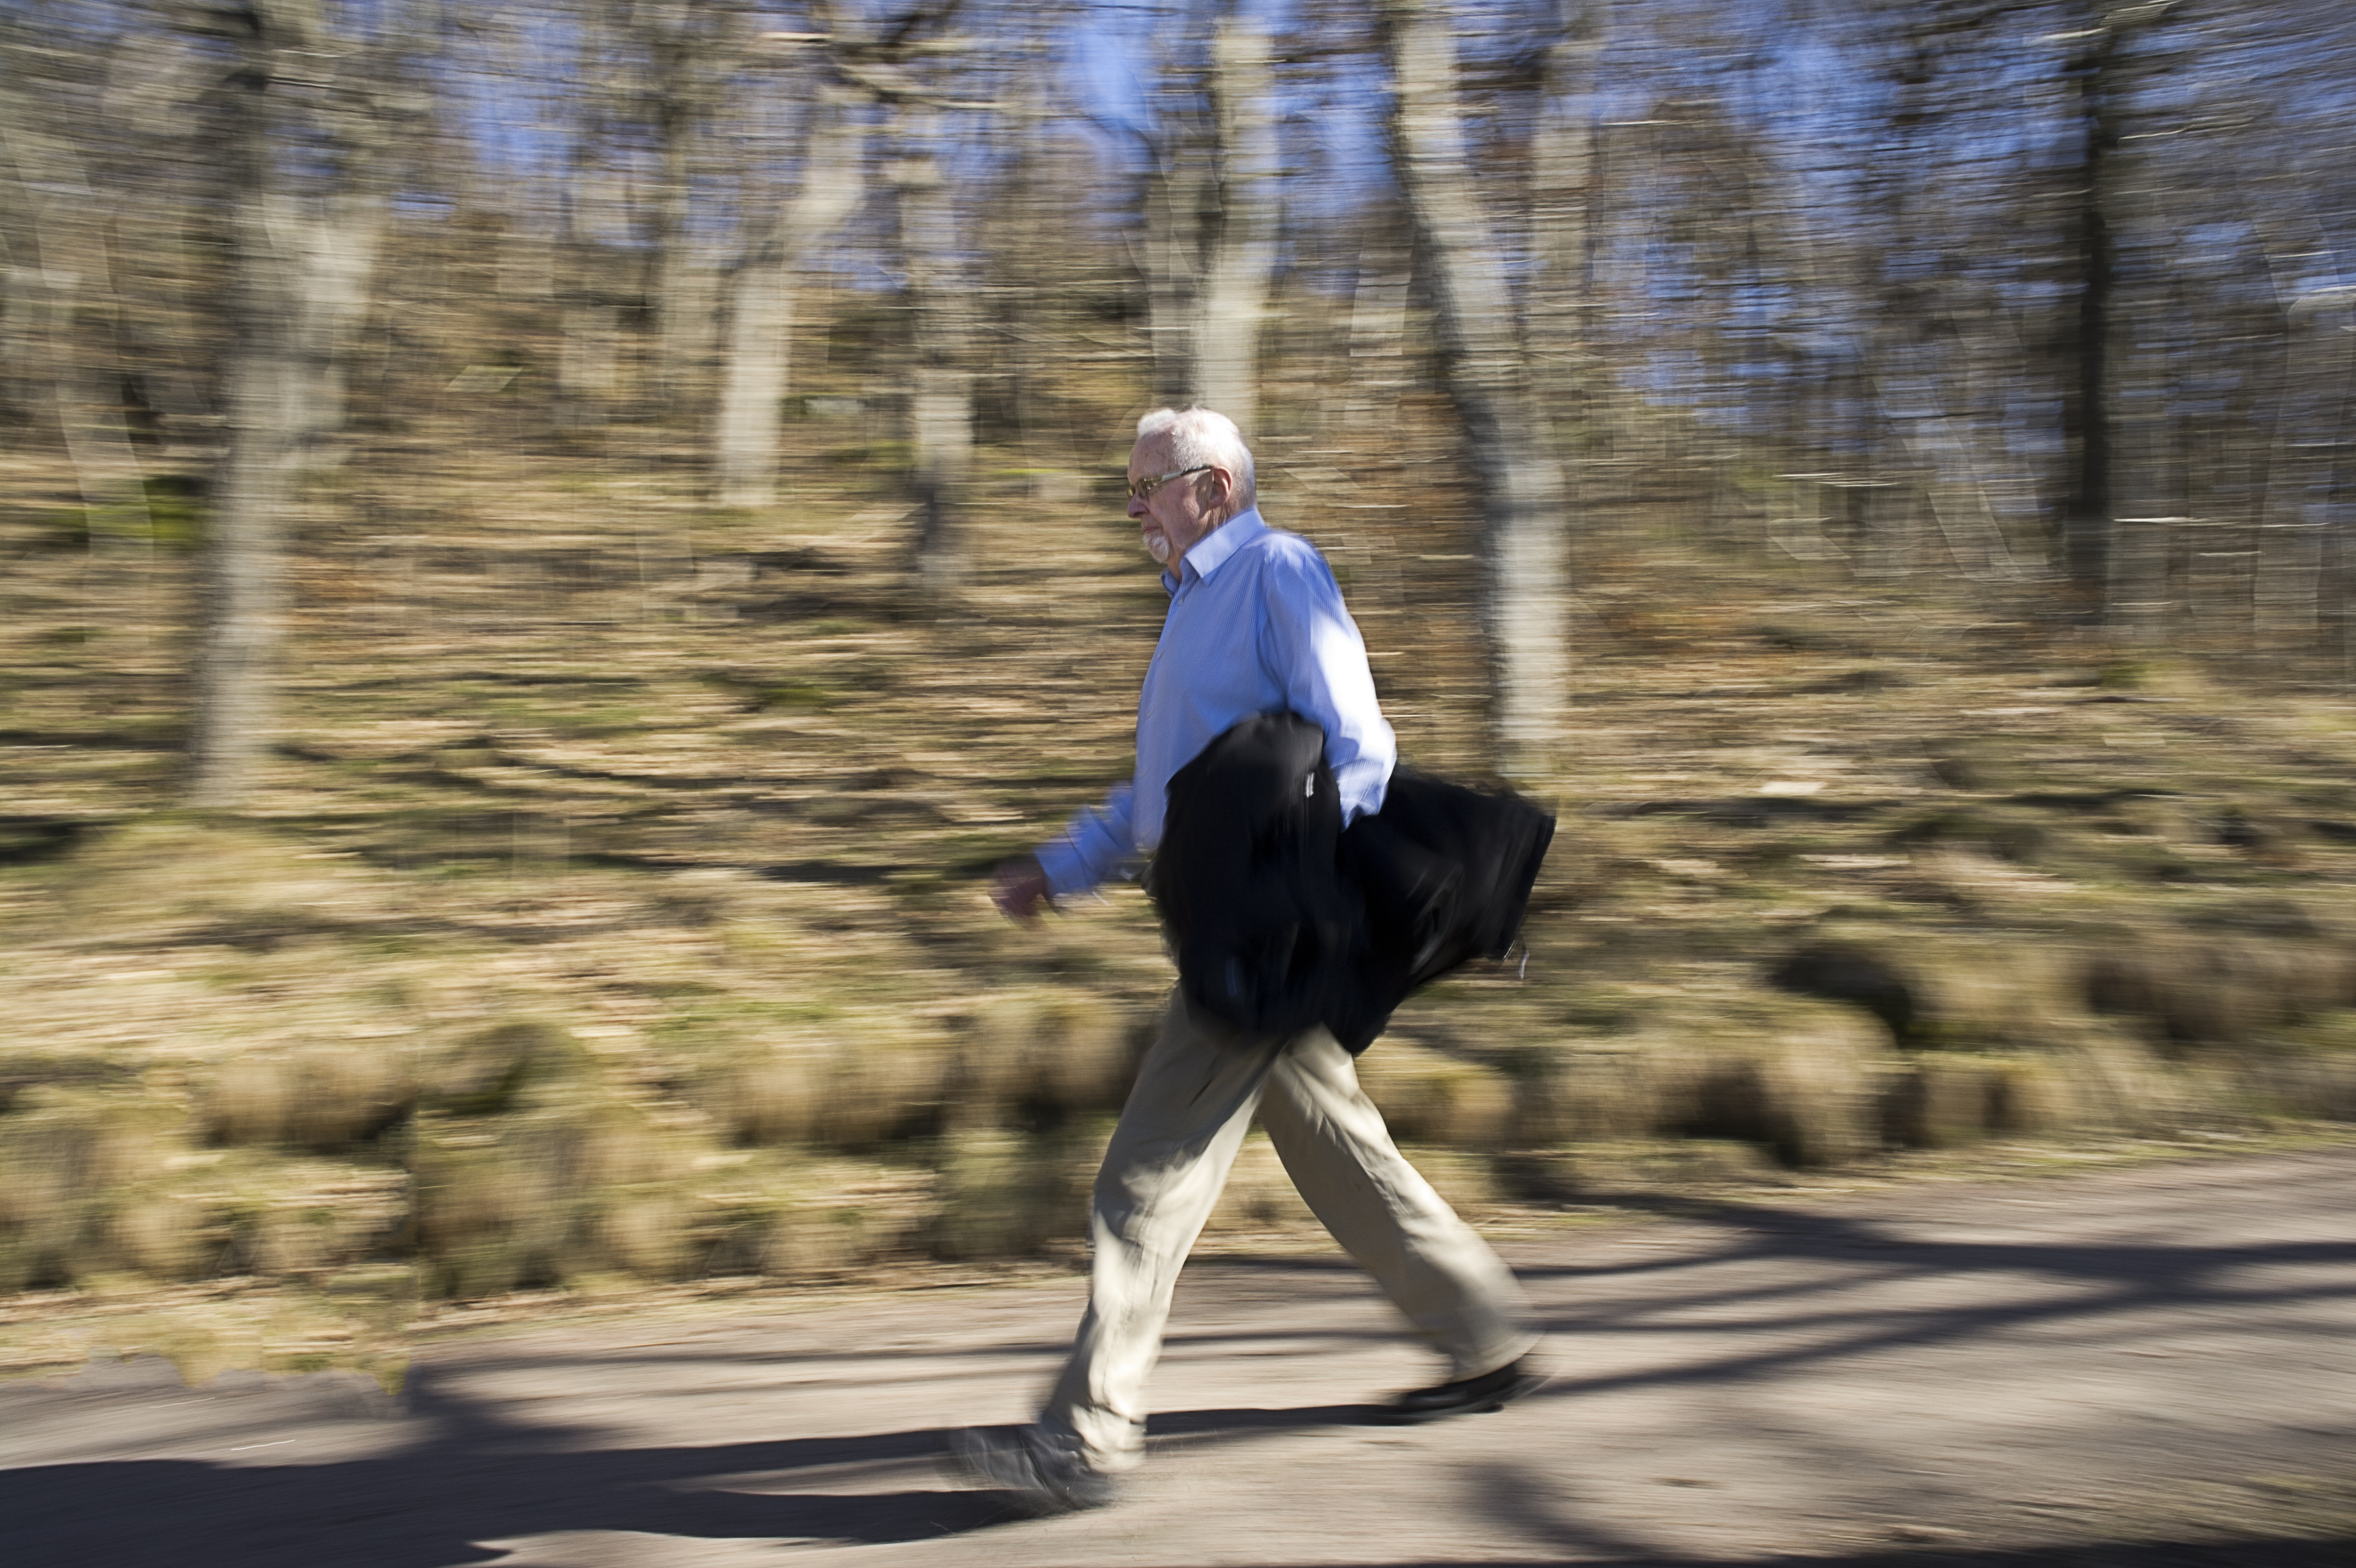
1019,888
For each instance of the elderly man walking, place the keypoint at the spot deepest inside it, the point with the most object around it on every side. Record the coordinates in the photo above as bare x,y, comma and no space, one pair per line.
1256,626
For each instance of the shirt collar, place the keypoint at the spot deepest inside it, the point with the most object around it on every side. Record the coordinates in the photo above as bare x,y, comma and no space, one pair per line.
1215,547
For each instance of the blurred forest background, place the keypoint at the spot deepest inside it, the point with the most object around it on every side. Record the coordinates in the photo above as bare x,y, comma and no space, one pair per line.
547,543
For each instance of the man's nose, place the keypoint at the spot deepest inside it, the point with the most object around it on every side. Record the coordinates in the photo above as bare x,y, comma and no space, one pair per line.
1137,506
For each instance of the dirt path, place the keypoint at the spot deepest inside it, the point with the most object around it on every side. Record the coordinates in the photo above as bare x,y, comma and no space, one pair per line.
2145,1367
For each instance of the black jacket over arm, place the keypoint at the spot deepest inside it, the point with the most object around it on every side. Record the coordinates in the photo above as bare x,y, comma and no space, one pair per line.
1279,918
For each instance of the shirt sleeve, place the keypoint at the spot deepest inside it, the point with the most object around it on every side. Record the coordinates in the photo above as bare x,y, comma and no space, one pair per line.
1095,843
1312,647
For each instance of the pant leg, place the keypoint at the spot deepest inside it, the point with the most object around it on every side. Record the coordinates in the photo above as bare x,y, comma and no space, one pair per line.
1169,1155
1456,1292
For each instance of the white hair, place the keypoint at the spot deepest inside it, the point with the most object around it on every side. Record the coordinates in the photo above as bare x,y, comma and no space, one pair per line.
1200,437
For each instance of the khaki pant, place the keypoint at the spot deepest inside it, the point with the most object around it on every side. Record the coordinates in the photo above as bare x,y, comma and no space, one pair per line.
1187,1117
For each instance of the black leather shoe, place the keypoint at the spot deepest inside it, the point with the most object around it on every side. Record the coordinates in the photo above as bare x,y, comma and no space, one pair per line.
1466,1396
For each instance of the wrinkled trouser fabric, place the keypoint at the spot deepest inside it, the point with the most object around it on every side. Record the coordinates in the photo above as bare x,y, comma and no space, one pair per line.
1177,1138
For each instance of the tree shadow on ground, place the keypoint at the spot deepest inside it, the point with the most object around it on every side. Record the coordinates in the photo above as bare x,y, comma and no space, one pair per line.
2040,1284
2244,1553
469,1475
2035,1283
468,1479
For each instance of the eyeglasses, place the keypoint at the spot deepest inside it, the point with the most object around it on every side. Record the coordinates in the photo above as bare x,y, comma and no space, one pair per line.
1143,489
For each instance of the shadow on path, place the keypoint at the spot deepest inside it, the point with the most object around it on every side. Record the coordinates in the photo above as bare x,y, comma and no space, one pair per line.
2249,1554
469,1473
1787,1319
470,1478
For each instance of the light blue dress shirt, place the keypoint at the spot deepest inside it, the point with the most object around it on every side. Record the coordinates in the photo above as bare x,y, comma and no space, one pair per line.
1256,626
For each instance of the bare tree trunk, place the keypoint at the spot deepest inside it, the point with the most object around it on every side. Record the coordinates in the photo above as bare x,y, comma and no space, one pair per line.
671,291
2285,599
64,230
1041,261
1242,256
584,275
1562,178
300,276
760,317
586,378
940,394
1521,487
2087,508
668,30
760,311
1377,337
106,469
1176,192
2124,508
